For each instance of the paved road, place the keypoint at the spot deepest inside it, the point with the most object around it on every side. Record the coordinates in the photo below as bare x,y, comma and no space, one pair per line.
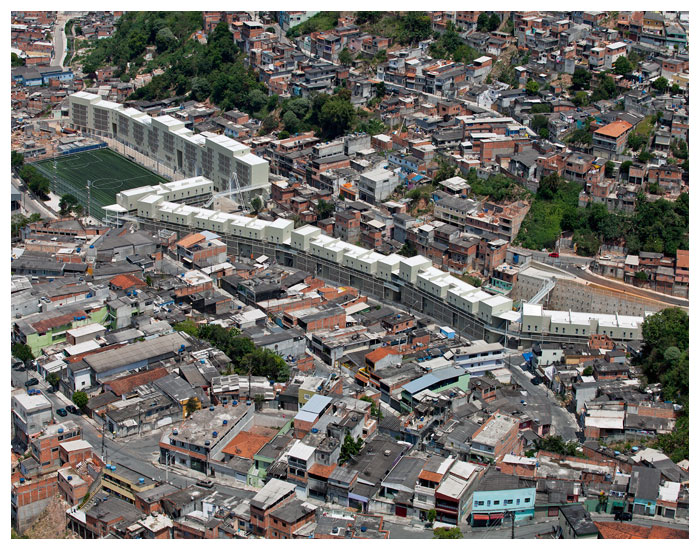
562,260
523,530
136,452
563,422
29,203
629,289
60,43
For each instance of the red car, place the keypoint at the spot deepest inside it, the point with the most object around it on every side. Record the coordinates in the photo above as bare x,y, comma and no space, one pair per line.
554,254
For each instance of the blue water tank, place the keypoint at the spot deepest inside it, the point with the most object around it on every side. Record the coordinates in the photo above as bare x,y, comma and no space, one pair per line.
363,528
215,434
314,430
235,402
211,408
141,481
69,478
225,422
92,246
21,480
174,432
247,402
60,430
207,442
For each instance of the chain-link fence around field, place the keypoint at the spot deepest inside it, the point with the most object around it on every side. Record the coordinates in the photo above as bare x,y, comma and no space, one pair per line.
107,172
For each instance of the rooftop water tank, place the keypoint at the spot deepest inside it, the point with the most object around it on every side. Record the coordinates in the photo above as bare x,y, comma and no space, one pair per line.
141,481
214,434
69,478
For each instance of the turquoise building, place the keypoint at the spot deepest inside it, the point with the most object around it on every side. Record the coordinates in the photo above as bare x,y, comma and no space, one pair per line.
500,493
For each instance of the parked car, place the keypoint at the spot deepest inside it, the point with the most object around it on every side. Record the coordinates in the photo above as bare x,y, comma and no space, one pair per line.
73,410
61,412
554,255
208,483
31,382
623,516
536,381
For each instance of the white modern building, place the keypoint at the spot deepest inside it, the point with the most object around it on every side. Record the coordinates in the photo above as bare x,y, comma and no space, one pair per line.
167,140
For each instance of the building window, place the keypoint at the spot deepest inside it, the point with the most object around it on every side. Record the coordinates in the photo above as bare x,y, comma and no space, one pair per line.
496,502
527,499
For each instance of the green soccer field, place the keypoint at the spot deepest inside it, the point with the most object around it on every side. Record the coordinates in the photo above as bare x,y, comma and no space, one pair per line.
108,172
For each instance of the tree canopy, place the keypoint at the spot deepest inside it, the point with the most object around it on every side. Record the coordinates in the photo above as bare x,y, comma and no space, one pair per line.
665,359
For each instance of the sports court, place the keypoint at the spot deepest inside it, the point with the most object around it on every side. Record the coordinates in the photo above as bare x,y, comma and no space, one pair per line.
108,173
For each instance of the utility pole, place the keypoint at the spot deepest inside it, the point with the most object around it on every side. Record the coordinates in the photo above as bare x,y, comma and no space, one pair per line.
512,523
103,440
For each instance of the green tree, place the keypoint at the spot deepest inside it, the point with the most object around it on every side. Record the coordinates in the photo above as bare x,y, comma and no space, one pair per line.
67,203
200,88
80,399
445,171
325,209
17,61
532,87
291,122
623,66
192,405
588,371
660,85
581,79
408,250
53,378
494,22
482,22
256,204
149,280
432,514
257,99
17,160
22,352
350,448
447,533
269,124
675,89
556,444
345,57
165,39
374,409
609,169
337,117
625,167
635,141
380,89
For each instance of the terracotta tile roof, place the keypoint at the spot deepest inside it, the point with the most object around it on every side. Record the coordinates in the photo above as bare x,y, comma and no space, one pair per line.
614,129
430,476
45,325
322,471
189,240
380,353
126,280
614,530
247,443
123,385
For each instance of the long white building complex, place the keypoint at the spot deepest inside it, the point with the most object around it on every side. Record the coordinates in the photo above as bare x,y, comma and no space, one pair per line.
226,162
412,282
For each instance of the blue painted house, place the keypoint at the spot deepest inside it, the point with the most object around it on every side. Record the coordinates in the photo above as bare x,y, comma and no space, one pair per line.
498,493
644,486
